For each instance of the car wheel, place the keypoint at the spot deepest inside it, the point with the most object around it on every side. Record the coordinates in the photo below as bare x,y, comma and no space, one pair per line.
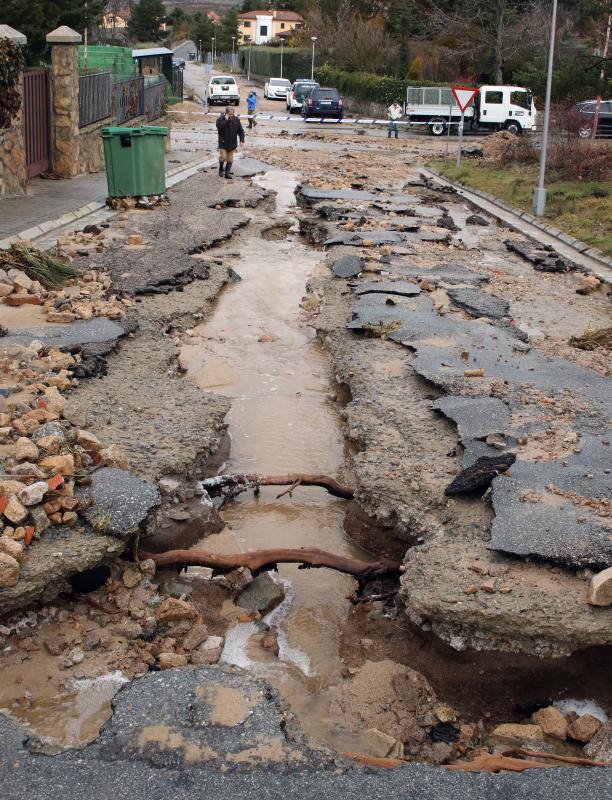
436,128
513,127
236,102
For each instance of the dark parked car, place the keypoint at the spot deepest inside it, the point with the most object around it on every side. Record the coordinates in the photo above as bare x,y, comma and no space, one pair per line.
323,102
582,116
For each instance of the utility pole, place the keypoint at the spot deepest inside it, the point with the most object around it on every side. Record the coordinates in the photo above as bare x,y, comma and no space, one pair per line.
539,194
233,45
313,39
281,64
602,76
249,65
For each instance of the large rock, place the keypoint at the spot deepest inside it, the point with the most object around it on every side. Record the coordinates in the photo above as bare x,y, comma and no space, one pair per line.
511,732
600,589
263,594
171,610
15,512
584,728
9,571
552,722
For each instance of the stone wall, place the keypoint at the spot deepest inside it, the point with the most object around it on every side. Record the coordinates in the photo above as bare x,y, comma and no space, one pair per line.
91,150
13,175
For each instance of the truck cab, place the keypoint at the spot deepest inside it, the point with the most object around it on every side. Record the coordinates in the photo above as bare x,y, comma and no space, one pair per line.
505,107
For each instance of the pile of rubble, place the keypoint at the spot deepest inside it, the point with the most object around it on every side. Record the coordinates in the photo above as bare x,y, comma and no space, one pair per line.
43,456
89,295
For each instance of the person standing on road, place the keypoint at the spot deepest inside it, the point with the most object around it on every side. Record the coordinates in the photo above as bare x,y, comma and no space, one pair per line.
251,106
394,113
230,130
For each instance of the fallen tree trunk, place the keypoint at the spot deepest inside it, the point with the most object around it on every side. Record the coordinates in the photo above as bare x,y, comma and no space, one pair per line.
214,485
261,560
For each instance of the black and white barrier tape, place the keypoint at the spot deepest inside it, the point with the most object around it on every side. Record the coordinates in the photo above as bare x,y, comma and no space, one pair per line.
292,118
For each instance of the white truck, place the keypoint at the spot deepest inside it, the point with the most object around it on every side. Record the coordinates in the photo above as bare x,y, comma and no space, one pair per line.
496,108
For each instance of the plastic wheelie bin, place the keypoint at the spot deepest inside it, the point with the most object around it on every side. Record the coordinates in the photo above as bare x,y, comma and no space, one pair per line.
135,160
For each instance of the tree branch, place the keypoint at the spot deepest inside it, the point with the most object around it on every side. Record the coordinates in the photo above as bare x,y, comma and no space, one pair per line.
261,560
214,485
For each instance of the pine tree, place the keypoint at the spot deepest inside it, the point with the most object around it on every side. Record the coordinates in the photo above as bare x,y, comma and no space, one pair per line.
147,17
37,18
227,28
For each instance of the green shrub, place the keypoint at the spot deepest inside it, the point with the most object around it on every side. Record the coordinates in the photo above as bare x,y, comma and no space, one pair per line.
366,86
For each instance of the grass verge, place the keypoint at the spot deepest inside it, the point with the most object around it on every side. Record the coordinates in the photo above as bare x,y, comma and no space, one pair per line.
579,208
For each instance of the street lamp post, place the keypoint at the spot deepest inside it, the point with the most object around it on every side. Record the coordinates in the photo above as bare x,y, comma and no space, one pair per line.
313,39
281,64
200,50
212,49
233,45
539,193
249,65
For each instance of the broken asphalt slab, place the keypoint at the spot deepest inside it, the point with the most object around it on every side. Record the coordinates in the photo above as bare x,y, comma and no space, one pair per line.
120,499
358,238
478,303
218,732
400,288
347,266
440,274
556,512
81,331
446,349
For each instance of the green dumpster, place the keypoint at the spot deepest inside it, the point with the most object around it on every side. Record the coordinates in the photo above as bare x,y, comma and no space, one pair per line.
135,160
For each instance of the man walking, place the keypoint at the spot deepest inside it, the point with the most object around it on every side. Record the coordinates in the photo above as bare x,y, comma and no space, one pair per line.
394,113
230,129
251,106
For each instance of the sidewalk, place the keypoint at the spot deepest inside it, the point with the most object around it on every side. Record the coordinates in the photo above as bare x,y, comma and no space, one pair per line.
47,200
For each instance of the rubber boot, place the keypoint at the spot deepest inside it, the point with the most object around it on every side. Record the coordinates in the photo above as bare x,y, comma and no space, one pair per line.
221,165
228,168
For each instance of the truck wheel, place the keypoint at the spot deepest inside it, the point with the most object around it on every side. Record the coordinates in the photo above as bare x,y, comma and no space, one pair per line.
513,127
436,128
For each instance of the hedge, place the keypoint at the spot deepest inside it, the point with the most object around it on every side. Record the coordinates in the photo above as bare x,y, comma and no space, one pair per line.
366,86
265,61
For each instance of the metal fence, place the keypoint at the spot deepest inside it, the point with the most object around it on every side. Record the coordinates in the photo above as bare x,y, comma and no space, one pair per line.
95,97
154,98
128,99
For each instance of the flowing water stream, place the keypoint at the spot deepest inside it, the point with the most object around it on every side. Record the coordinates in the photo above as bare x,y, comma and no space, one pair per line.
257,350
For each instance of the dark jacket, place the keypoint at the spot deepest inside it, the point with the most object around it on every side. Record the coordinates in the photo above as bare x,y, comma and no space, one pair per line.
229,131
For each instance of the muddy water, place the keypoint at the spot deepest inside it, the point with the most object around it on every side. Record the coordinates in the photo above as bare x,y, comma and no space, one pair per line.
257,350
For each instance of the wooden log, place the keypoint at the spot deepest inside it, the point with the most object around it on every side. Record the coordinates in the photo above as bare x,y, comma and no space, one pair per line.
324,481
259,560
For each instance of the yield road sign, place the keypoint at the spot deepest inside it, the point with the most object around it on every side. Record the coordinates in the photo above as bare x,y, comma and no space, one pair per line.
464,95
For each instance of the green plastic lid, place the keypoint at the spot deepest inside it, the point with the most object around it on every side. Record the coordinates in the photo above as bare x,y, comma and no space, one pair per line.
139,130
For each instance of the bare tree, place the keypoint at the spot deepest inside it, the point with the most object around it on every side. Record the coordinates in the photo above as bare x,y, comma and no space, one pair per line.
351,39
498,29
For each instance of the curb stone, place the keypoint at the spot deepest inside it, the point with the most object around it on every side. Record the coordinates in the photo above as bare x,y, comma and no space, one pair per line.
602,269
